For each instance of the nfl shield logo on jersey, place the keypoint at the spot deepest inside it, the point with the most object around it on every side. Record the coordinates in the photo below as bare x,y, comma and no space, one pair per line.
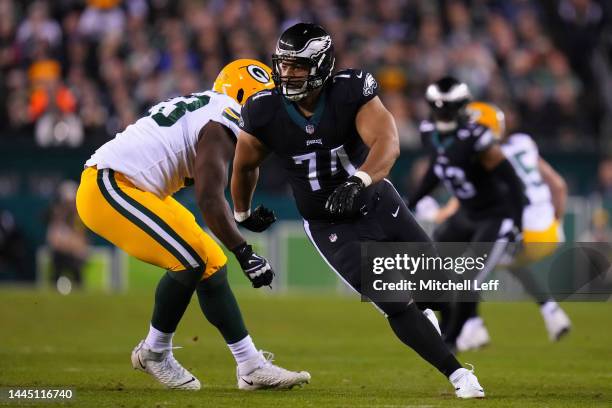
333,237
310,129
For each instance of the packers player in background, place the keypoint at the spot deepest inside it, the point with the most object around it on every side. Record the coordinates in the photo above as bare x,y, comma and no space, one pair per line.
467,158
542,231
125,196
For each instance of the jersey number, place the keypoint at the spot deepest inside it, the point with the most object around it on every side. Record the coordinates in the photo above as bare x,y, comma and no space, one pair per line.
455,180
337,154
176,108
530,175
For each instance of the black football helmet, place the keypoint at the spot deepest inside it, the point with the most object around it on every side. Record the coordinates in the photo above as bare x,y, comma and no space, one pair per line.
307,45
448,99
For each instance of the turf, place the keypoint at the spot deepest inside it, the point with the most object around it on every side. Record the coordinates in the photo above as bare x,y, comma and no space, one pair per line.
83,341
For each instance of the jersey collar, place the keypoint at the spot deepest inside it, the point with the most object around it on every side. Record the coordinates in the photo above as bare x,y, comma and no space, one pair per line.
307,125
441,145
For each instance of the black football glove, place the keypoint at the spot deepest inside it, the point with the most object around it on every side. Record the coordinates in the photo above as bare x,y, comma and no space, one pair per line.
343,203
255,267
259,220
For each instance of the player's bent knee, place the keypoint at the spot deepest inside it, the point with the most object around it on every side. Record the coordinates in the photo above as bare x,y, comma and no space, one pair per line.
391,309
188,277
214,281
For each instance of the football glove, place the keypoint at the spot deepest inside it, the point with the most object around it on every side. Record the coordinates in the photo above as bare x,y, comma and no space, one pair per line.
255,267
343,203
259,220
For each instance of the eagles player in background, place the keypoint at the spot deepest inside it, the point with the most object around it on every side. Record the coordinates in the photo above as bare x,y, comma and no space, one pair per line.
466,157
125,196
542,230
337,142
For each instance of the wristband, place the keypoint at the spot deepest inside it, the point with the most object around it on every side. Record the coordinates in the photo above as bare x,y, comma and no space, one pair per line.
364,177
240,216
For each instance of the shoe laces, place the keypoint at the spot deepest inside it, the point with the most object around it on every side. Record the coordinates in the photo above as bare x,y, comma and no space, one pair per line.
471,367
268,364
169,364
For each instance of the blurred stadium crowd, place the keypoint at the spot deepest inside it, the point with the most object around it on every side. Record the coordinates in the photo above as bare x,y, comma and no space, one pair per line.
78,71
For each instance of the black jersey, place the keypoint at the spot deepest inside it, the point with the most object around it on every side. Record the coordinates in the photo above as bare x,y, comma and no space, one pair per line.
456,161
318,153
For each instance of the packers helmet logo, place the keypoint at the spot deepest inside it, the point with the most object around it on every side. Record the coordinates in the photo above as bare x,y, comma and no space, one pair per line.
258,74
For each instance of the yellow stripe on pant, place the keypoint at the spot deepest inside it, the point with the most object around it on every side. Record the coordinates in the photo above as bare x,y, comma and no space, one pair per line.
158,231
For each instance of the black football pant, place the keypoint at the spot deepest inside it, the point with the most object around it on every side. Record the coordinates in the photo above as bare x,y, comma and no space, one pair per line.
387,220
496,231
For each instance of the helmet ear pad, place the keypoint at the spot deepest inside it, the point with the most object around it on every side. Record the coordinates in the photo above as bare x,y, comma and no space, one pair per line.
240,95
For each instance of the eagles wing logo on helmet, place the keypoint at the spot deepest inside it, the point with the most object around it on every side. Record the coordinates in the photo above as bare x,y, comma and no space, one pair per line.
315,47
312,49
369,85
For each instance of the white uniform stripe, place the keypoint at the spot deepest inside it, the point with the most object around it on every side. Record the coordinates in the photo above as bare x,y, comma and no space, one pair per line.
307,230
148,221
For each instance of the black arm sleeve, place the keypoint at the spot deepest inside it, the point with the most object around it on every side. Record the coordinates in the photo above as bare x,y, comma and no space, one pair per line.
516,189
428,183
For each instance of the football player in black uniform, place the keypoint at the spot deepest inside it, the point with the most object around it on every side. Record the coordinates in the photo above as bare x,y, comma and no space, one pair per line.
468,160
337,143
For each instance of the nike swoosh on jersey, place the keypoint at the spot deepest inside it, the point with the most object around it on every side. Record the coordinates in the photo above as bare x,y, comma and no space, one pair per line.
394,214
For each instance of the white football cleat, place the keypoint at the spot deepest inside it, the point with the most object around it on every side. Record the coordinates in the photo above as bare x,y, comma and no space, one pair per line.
556,321
466,384
262,374
429,314
164,367
474,335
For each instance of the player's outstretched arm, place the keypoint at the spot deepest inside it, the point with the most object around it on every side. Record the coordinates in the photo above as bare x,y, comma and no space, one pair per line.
557,185
214,152
377,129
427,184
493,160
250,153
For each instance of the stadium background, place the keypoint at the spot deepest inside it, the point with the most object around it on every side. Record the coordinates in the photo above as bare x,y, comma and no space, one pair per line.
74,72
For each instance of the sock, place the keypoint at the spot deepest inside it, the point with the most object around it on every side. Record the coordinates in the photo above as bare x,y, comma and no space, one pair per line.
246,356
243,350
414,330
157,340
172,297
220,308
547,307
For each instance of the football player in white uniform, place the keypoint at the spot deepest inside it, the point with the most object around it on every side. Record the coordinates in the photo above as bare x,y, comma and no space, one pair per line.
125,196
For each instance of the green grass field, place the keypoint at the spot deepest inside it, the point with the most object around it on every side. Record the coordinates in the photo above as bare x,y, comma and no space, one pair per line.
84,341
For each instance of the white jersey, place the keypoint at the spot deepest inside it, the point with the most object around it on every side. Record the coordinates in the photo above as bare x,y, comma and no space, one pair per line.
157,153
522,152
